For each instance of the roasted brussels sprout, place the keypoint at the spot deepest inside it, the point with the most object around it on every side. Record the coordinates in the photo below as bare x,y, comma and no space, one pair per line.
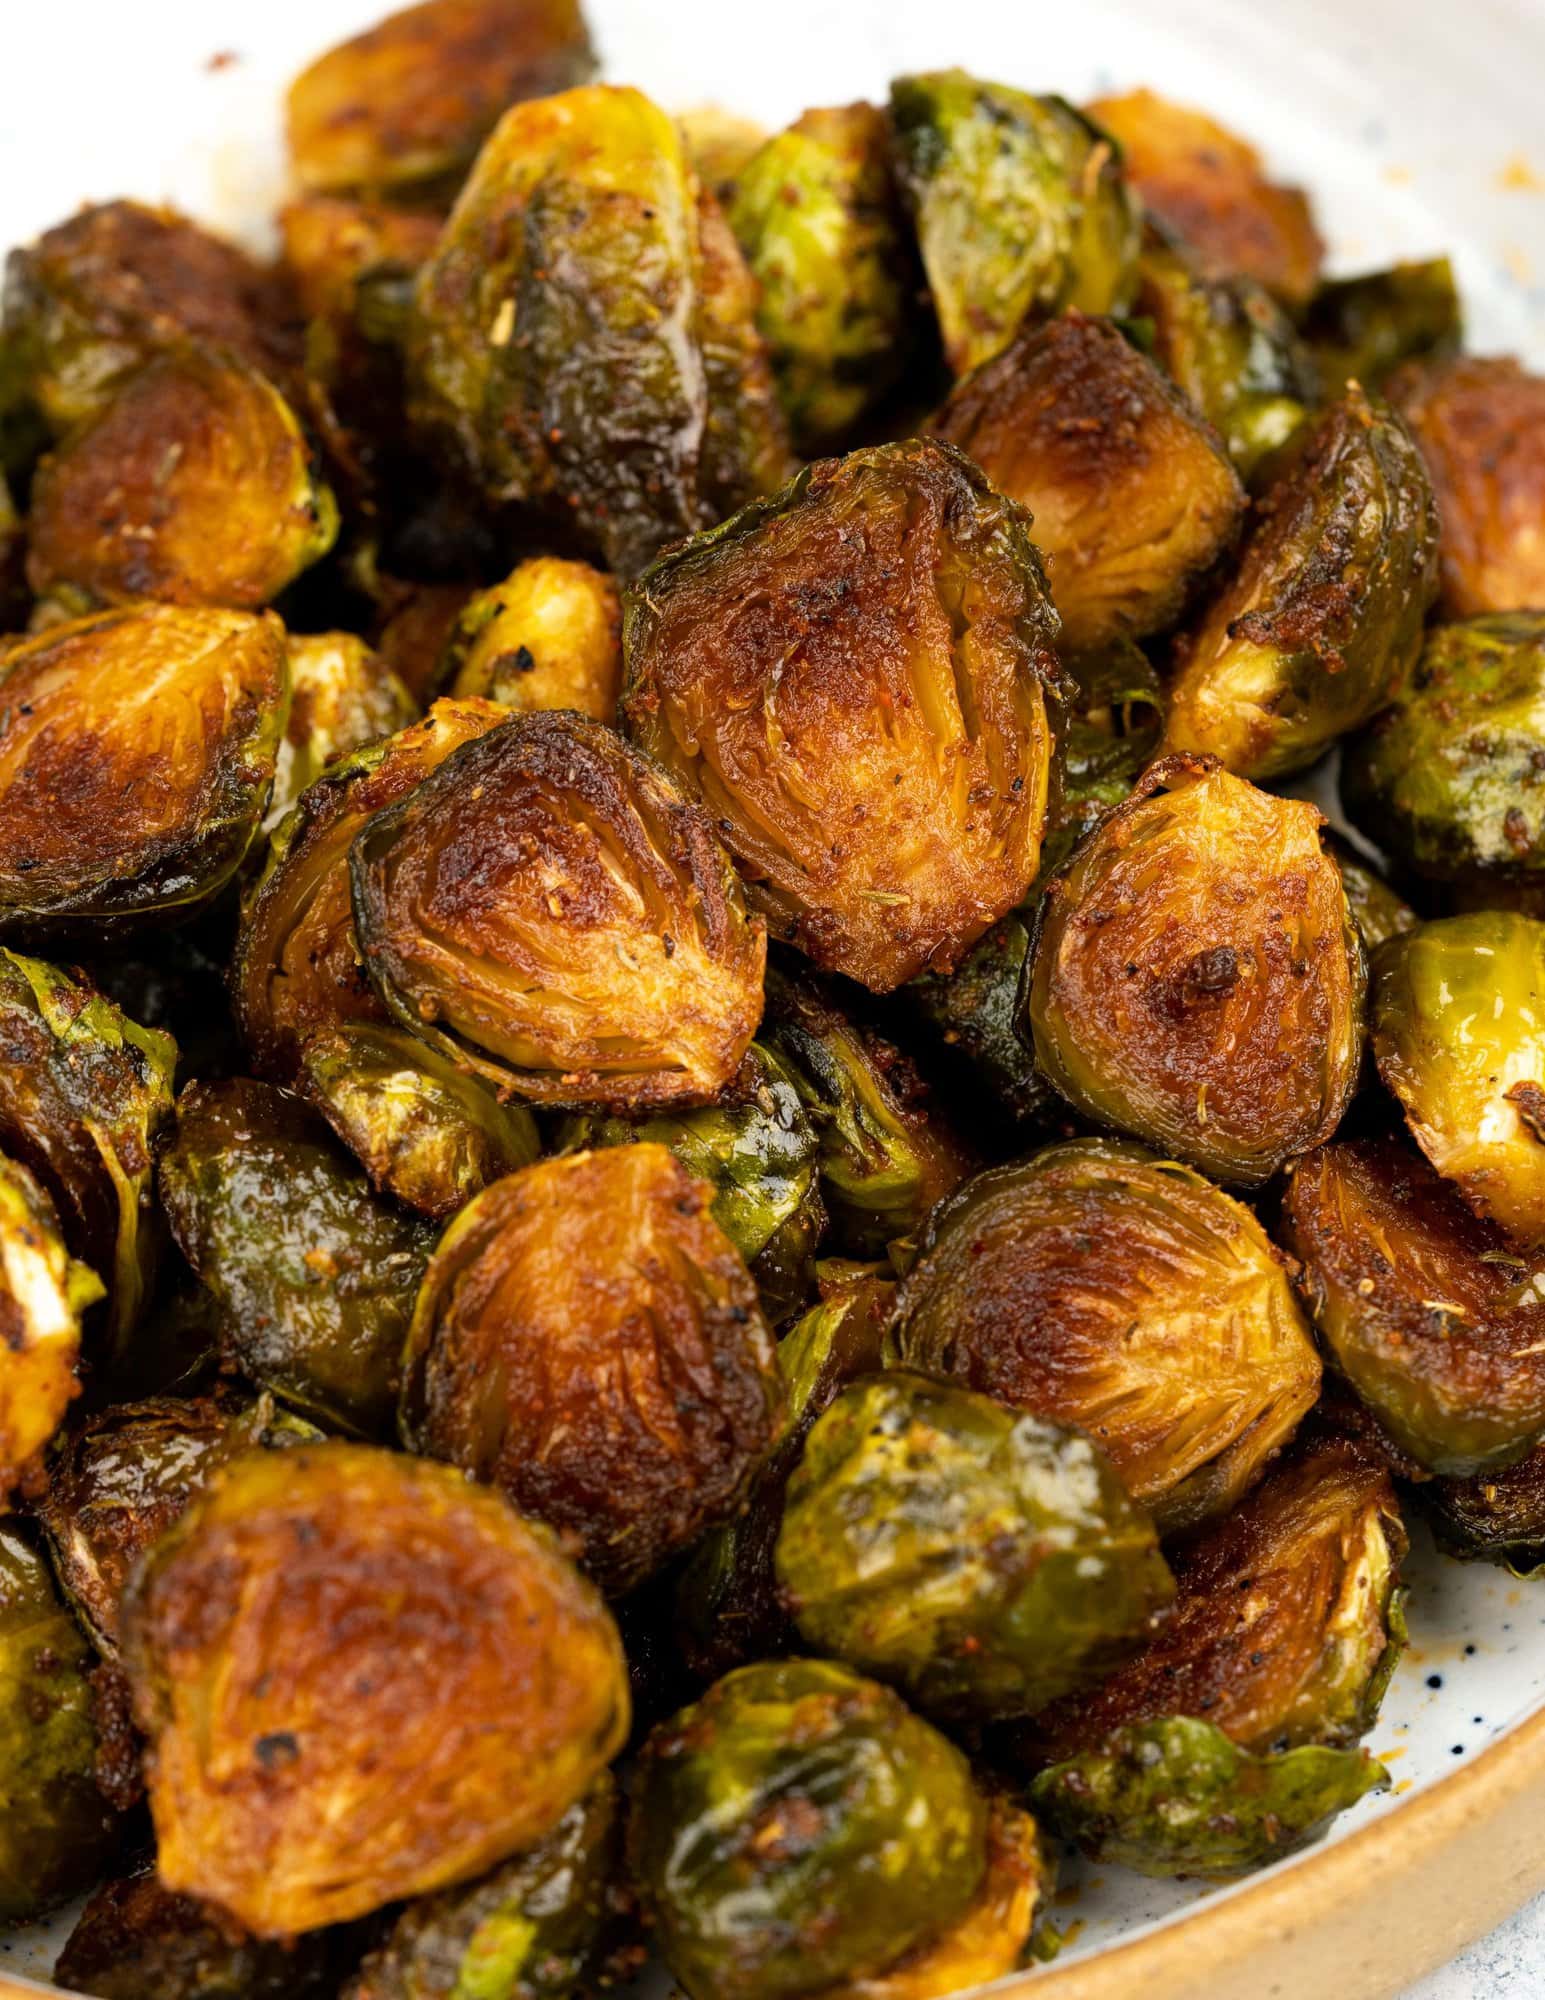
1435,1322
1379,911
363,1679
1210,187
55,1827
816,212
95,298
1480,426
1197,980
342,696
588,1339
138,750
43,1292
798,1828
84,1092
1227,1741
297,968
1131,497
537,1928
727,1605
1104,1288
1449,779
1458,1017
1498,1517
549,636
1362,328
1020,206
408,103
195,485
1322,617
852,678
985,1560
314,1277
118,1481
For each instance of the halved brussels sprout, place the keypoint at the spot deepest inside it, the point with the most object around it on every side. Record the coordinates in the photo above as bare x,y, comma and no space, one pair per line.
1232,349
297,968
588,1339
852,678
117,1482
314,1276
548,911
99,295
342,696
43,1292
887,1153
727,1605
1364,327
1448,780
816,212
1020,207
135,764
745,437
537,1928
1498,1517
1210,187
1322,617
1131,497
1458,1018
549,636
578,227
1282,1640
423,1129
1197,980
84,1091
985,1561
1480,426
195,485
309,1761
1434,1321
799,1827
1379,911
408,102
1122,1294
55,1827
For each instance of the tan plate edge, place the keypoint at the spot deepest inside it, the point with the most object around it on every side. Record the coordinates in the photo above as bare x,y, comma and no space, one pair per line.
1360,1919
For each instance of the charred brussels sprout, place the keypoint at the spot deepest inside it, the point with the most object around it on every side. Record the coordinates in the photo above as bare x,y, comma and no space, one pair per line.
1458,1021
588,1340
1226,1742
984,1560
798,1828
55,1829
119,1481
1210,187
1498,1517
314,1277
308,1765
816,212
1435,1322
408,103
1450,779
195,485
1132,499
1322,617
342,696
548,911
1104,1288
136,757
1197,979
84,1092
852,678
537,1928
1020,207
1480,426
43,1292
549,636
1364,327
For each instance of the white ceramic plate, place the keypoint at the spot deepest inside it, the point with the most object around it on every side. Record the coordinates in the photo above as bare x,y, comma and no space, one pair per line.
1416,127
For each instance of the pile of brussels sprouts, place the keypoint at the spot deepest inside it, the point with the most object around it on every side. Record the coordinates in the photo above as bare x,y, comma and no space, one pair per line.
717,1221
